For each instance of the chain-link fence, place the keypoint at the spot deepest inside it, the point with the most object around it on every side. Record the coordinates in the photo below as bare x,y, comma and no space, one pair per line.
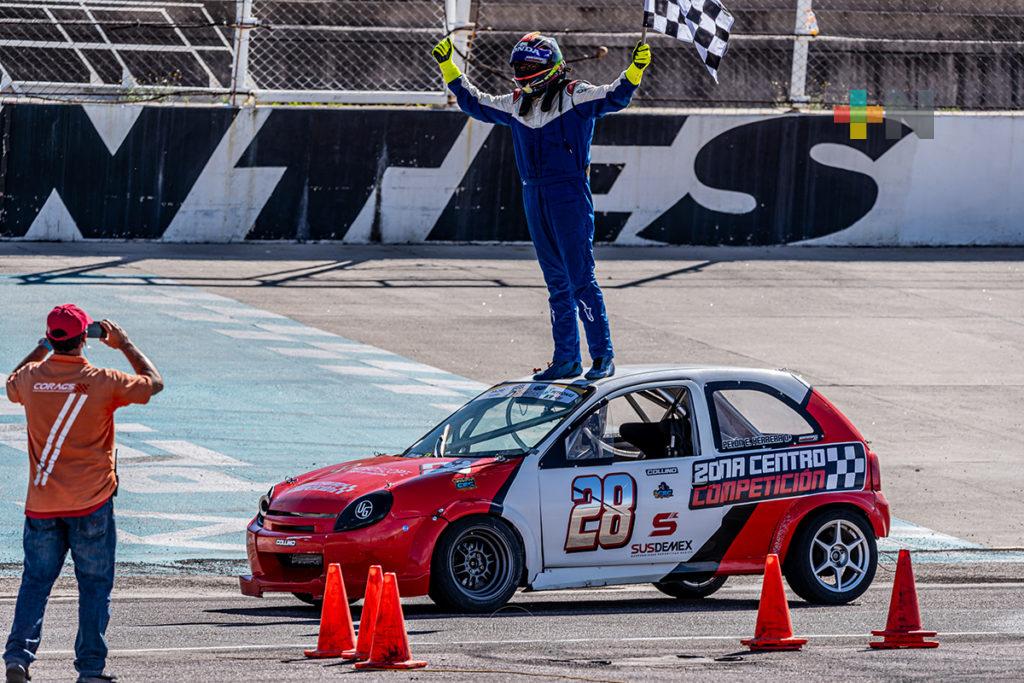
967,54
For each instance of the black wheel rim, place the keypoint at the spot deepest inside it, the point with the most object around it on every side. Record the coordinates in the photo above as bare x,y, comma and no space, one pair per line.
480,561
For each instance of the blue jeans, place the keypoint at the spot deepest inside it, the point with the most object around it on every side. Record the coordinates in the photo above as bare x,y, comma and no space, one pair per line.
560,217
91,540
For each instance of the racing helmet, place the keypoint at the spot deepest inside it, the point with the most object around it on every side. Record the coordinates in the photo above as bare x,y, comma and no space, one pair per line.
536,61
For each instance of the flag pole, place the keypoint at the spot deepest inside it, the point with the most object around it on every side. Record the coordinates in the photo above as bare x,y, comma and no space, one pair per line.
643,36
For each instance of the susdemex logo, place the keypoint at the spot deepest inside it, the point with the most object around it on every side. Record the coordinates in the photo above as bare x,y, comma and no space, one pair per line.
60,388
660,548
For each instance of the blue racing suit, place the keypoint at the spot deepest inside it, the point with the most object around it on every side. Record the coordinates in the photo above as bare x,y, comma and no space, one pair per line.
552,152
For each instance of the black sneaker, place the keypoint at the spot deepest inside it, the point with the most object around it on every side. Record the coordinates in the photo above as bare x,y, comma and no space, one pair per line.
101,678
17,673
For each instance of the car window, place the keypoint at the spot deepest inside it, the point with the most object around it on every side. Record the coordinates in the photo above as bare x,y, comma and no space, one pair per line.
647,424
508,419
749,418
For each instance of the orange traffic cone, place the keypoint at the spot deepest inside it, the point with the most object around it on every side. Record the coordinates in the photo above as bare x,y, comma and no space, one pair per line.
774,630
368,619
390,648
903,627
336,633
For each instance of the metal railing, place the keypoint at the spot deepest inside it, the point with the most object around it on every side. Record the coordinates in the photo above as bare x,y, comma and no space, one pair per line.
965,54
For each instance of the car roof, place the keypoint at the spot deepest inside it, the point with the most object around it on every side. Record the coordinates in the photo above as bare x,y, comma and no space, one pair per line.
625,376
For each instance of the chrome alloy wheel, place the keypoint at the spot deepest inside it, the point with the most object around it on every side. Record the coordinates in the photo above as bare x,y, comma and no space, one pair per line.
480,562
839,556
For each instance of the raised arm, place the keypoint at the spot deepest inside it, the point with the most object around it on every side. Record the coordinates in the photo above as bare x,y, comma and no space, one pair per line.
596,101
117,338
483,107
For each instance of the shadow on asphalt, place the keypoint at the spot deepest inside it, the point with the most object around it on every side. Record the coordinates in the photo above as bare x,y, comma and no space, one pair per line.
545,608
326,258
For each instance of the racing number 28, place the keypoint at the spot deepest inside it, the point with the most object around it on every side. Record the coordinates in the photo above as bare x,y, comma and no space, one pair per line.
602,512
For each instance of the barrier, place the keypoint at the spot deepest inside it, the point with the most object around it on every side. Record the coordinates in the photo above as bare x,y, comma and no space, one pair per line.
218,174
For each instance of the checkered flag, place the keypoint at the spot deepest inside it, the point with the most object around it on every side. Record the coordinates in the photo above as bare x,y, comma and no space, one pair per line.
845,470
708,24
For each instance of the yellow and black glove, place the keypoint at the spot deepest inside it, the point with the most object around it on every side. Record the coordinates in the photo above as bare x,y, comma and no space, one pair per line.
641,60
443,52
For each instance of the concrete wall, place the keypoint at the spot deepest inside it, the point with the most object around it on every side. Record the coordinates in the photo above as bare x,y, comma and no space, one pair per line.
408,175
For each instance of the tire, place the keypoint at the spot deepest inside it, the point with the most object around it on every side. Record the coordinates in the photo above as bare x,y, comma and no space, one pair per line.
690,589
827,569
476,566
309,599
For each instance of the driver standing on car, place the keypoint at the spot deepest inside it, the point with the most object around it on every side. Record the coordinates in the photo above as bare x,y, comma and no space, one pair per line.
552,121
69,406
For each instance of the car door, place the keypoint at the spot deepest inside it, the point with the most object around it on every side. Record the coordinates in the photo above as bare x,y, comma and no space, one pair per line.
614,487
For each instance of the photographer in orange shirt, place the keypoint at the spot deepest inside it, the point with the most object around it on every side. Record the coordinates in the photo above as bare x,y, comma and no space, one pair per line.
69,406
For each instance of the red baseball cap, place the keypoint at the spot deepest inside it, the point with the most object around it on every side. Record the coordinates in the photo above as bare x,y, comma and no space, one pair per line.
66,322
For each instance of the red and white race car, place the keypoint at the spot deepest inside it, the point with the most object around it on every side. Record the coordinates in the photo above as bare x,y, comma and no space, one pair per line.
676,476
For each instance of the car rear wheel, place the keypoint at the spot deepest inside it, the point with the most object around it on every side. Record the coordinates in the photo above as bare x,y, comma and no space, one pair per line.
691,589
476,566
833,557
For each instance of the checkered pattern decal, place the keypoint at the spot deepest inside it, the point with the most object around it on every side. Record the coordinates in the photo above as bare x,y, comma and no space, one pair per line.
705,23
845,469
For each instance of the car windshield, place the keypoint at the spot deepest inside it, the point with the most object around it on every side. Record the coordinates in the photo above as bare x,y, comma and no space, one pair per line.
508,419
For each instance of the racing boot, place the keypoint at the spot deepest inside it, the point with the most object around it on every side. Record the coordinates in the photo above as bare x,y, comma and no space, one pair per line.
602,367
17,673
561,370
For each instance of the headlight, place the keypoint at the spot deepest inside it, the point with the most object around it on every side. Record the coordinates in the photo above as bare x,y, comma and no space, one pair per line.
364,511
264,505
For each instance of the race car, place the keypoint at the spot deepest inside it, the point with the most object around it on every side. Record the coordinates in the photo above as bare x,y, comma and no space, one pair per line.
676,476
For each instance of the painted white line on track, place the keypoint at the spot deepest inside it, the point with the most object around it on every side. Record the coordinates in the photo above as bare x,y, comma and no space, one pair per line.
449,407
152,299
536,641
405,366
416,389
359,371
350,347
296,330
242,312
199,316
255,335
306,352
8,408
458,384
192,294
132,428
904,534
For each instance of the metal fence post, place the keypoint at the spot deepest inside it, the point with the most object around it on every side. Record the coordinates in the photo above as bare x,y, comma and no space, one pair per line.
801,40
240,62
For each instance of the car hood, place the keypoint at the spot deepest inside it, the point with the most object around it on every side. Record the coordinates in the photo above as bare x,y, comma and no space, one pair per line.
330,489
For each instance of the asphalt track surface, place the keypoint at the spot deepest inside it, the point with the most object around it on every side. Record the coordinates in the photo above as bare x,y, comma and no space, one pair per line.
181,630
921,348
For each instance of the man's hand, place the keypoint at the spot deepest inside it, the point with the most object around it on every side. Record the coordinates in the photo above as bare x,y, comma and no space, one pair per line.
641,60
116,337
442,53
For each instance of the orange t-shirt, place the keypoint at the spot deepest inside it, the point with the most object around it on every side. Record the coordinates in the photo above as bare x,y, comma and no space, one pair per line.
69,406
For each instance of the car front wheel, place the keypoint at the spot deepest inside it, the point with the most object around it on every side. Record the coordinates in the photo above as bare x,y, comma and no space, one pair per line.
476,566
832,558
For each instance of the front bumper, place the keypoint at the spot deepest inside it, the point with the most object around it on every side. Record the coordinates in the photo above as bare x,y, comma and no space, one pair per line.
288,562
